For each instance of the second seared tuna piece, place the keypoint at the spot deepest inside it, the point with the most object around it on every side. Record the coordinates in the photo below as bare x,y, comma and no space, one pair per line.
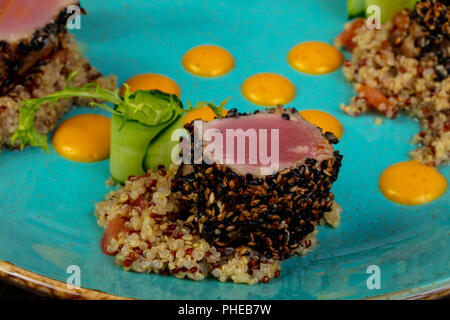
30,31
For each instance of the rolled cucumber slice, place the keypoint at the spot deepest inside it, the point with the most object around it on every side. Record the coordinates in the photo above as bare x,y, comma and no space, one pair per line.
356,8
388,8
129,144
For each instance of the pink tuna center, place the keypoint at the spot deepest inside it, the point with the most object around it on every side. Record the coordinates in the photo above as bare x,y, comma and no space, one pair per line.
20,18
287,142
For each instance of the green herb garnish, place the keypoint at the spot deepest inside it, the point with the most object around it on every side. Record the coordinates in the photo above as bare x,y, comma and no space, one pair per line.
141,126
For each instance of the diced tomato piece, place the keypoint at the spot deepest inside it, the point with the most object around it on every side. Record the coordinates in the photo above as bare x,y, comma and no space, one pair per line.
348,34
112,230
375,98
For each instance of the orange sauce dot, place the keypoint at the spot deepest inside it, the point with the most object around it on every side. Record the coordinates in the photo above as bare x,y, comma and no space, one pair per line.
208,61
315,58
151,81
412,183
83,138
268,89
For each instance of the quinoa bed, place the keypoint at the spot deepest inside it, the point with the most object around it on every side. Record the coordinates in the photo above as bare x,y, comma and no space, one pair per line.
392,71
152,238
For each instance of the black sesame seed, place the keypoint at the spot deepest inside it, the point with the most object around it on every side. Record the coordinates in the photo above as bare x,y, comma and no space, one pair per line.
332,139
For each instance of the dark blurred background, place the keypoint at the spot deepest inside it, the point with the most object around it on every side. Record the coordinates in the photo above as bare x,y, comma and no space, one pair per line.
9,292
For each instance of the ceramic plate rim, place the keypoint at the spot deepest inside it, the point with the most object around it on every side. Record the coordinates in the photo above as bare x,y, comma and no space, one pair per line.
46,286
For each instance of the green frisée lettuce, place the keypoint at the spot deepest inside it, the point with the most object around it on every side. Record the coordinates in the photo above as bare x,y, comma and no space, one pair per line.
26,132
141,126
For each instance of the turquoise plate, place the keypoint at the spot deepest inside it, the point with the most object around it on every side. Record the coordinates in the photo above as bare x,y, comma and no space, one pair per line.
47,202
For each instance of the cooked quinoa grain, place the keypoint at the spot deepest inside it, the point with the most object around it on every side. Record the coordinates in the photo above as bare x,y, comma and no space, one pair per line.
144,234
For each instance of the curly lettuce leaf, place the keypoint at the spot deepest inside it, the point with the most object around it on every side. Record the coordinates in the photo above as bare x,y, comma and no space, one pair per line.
218,110
139,120
26,132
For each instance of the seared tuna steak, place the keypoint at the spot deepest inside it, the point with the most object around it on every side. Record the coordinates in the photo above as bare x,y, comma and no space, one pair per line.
270,210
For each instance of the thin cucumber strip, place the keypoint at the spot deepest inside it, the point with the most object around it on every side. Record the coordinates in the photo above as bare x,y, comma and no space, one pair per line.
159,152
